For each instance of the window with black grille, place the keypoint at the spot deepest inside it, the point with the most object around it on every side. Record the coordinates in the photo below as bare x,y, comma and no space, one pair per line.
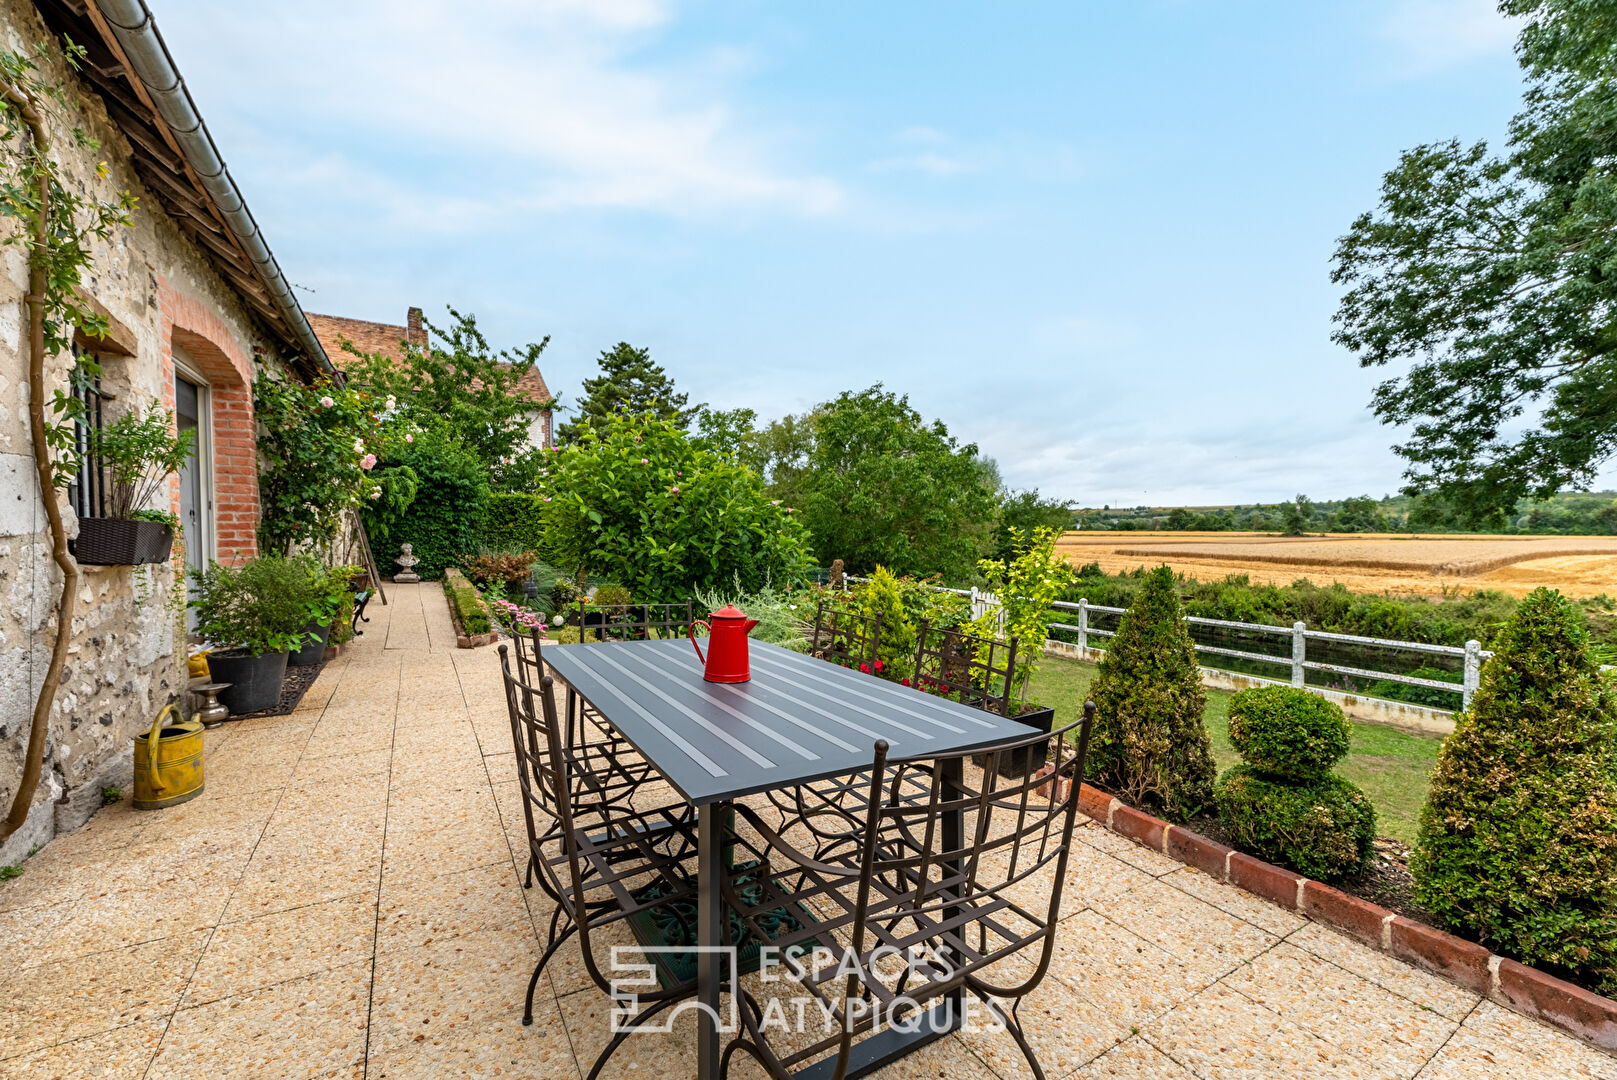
88,492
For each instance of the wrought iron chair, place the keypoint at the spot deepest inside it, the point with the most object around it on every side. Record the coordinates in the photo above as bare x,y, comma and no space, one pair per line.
633,622
845,638
969,668
601,864
609,770
956,893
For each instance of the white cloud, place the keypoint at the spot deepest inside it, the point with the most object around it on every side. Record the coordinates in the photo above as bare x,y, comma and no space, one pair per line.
937,153
1434,35
557,109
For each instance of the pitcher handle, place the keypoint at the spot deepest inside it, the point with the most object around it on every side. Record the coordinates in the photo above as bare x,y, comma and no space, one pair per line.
691,633
153,738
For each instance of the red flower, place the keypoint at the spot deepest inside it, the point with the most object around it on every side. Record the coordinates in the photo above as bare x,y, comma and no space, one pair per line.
904,681
878,665
865,668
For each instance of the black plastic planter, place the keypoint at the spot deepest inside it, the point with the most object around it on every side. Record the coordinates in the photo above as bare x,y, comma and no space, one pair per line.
255,681
115,542
1019,763
315,650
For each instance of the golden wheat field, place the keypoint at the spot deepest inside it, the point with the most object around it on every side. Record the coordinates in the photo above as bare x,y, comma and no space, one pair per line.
1366,562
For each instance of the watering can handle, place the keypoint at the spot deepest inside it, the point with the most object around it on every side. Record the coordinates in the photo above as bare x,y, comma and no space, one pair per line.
152,738
691,633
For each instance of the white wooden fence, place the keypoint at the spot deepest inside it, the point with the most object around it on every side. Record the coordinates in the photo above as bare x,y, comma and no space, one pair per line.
1471,655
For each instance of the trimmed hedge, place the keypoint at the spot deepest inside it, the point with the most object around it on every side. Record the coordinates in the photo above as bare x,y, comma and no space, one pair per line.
514,521
1324,830
1518,839
1288,733
468,604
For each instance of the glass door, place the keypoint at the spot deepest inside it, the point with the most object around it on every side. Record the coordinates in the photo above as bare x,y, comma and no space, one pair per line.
196,502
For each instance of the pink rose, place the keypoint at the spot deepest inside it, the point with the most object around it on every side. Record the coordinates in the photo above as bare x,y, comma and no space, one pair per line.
326,402
368,462
409,438
645,461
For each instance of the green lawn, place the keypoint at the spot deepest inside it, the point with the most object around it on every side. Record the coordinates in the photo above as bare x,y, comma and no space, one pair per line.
1390,765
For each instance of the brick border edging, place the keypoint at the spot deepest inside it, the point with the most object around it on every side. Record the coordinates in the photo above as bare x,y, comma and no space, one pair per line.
1522,989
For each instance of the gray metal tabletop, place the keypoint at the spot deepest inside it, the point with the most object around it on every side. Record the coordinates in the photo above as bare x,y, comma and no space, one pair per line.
798,719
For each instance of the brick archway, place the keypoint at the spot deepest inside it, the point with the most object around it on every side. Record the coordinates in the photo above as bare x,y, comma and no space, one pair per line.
211,346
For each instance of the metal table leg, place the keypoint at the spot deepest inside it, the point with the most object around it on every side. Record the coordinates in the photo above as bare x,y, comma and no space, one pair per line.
709,936
953,777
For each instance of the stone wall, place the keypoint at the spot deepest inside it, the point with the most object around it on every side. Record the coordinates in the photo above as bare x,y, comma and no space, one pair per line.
127,654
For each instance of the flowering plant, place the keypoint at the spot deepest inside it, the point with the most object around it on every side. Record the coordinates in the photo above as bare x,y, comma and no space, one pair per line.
516,617
318,458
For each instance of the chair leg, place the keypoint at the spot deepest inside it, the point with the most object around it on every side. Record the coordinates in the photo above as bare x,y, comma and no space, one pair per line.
617,1039
1014,1026
556,942
527,881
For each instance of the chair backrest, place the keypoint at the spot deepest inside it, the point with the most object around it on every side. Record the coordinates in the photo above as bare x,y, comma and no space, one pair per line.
541,771
633,622
845,638
978,906
968,668
530,658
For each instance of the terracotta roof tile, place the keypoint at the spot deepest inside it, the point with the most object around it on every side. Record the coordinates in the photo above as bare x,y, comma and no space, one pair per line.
387,339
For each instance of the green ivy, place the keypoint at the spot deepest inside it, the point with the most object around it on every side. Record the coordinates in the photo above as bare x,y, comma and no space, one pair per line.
515,522
445,521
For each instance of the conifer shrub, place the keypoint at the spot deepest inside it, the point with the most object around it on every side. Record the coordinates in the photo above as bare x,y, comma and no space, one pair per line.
895,648
1149,744
1518,839
1323,828
1288,733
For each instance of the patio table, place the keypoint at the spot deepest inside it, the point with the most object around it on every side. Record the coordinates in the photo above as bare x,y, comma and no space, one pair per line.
797,720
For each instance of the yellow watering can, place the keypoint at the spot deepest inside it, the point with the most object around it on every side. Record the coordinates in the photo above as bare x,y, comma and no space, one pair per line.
168,762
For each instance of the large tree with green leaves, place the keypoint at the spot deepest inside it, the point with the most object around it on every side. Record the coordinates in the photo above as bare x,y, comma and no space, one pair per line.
1493,276
460,386
886,487
630,384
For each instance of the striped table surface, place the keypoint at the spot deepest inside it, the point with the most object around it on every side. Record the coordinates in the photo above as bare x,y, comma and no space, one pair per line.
798,719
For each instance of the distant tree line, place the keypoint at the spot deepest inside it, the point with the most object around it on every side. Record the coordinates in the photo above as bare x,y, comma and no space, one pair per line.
1577,514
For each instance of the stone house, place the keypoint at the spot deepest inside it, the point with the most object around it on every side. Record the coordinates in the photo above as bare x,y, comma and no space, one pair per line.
198,308
388,339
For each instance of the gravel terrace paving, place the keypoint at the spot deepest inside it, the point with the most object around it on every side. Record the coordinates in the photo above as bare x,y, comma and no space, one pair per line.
345,900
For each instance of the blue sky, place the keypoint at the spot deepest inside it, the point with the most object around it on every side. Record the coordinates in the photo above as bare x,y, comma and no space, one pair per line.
1093,238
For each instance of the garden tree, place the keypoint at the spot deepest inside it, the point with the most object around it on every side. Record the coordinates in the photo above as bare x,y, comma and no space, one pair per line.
1025,511
884,486
730,433
1518,838
459,384
1490,275
58,222
1149,744
637,501
629,384
780,454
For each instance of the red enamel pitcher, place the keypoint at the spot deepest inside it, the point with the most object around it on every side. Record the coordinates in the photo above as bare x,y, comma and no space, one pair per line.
726,659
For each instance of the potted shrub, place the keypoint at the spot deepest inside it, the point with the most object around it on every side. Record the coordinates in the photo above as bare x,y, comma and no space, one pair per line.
136,455
254,615
330,589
